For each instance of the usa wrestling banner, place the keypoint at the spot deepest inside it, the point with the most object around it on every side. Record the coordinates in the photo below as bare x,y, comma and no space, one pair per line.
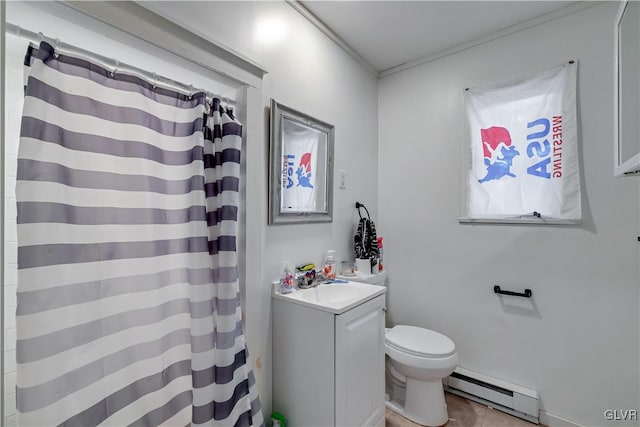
299,166
523,148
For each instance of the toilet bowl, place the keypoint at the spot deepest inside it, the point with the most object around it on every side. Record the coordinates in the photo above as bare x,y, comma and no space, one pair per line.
420,358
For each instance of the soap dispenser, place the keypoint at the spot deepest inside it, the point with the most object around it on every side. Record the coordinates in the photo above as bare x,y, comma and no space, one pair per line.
287,279
329,265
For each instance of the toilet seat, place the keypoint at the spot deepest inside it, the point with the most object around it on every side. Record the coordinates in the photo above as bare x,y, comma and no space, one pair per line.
419,342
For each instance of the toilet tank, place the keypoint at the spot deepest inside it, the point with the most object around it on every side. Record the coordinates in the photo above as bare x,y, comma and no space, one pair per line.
373,279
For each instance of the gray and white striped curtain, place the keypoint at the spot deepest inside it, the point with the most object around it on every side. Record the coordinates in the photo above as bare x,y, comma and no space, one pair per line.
128,305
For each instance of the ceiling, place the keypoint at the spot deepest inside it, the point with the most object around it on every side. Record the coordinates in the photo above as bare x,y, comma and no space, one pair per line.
387,34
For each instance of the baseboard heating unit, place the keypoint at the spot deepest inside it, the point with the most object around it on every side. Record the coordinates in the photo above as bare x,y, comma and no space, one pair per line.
513,399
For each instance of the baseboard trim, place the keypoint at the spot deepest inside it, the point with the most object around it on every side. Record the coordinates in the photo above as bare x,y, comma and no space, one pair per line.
555,421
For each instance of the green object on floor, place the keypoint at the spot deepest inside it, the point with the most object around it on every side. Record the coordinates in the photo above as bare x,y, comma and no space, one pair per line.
278,419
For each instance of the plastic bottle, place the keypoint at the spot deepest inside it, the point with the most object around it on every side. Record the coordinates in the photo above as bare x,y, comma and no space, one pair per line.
380,252
278,419
329,265
287,278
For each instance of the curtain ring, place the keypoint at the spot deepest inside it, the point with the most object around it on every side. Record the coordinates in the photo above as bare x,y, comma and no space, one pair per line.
56,44
115,68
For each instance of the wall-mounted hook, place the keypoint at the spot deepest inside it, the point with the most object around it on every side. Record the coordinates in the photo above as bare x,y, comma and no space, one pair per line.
360,205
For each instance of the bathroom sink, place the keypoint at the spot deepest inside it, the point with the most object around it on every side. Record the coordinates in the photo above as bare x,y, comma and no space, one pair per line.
328,294
333,297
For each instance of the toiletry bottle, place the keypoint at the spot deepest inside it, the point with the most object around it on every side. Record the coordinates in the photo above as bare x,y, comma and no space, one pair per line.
380,252
329,265
286,278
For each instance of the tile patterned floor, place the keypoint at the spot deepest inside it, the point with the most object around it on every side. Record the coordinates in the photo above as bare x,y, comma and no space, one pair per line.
464,413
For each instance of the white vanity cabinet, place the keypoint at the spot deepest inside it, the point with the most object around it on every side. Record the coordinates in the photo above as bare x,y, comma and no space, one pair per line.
328,368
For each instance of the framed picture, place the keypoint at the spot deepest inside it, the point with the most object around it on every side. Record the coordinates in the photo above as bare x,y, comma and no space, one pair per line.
301,167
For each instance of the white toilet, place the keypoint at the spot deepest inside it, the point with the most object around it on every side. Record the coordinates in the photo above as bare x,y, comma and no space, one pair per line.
418,361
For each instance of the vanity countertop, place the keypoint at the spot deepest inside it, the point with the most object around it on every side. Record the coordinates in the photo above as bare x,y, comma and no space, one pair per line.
334,298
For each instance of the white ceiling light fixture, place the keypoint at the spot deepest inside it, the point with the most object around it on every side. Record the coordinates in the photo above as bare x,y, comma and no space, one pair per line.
270,31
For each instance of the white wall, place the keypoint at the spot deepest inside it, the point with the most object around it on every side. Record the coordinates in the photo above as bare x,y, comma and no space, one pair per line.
576,341
309,73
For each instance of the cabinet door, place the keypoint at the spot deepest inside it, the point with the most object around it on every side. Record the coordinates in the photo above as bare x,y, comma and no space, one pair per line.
359,364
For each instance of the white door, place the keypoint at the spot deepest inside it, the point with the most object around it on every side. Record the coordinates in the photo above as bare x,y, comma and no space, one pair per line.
359,365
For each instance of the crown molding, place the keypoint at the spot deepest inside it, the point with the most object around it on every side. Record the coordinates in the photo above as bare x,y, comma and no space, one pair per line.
555,14
302,10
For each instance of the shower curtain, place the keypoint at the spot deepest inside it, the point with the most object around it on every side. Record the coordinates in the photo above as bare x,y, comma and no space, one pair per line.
128,305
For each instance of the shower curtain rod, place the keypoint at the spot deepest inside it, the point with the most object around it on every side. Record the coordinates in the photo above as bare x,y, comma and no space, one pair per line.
111,63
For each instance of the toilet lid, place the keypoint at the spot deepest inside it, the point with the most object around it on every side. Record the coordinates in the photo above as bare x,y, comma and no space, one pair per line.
420,341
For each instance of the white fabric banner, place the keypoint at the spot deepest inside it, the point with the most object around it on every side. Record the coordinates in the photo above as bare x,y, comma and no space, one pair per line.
523,148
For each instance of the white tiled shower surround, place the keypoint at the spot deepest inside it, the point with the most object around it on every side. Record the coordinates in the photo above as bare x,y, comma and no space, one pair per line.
15,49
